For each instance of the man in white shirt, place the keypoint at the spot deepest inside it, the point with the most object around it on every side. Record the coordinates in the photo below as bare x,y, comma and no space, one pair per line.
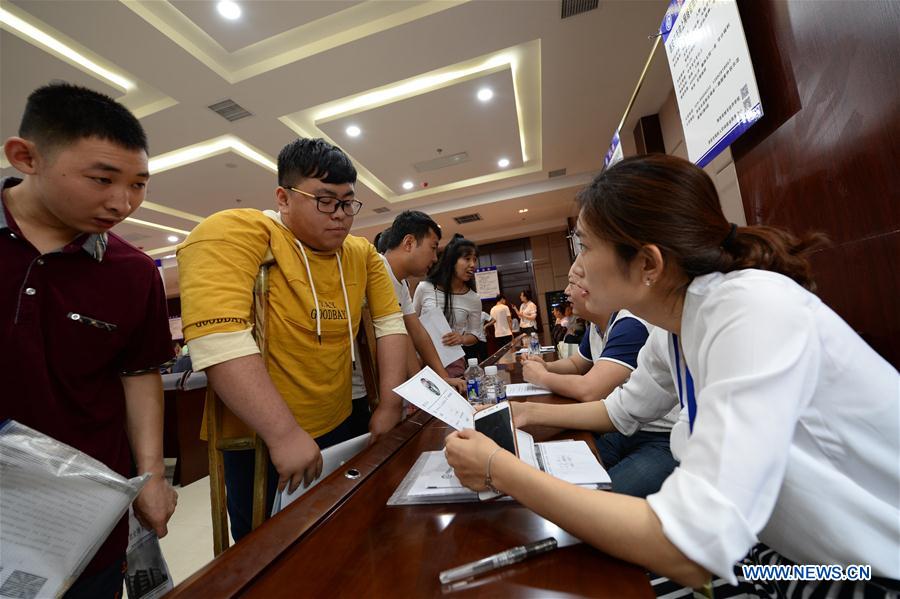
412,243
638,463
502,321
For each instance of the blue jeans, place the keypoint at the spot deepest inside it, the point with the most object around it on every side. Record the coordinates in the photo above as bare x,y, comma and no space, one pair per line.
638,464
239,479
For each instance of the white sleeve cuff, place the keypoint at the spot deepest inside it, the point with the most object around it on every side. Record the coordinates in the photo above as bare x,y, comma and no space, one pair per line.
702,523
391,324
619,416
216,348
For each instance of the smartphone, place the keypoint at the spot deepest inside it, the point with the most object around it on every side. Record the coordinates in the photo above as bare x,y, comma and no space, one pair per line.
496,423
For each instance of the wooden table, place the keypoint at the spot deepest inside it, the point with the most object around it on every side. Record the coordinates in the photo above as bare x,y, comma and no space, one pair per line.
342,540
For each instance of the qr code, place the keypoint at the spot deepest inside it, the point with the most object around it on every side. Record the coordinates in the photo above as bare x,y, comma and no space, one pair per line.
22,585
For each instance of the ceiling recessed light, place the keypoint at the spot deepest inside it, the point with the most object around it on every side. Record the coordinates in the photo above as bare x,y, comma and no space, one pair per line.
173,238
228,9
485,94
353,131
523,210
503,163
408,185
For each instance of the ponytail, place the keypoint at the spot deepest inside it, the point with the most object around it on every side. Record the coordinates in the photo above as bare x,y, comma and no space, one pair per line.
773,249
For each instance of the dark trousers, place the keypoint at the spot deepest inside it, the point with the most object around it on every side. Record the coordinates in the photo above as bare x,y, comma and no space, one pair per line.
501,341
638,464
239,478
105,584
527,330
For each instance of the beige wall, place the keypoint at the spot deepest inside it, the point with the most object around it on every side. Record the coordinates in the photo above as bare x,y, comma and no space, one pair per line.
721,169
550,255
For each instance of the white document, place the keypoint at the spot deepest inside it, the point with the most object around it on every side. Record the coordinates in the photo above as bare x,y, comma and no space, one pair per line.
332,458
437,326
437,478
148,573
525,389
427,391
571,461
57,506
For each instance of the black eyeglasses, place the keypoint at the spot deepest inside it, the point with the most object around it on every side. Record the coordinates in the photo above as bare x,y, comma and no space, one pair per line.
330,204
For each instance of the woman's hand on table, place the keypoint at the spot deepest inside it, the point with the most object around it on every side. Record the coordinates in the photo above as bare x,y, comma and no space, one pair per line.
467,453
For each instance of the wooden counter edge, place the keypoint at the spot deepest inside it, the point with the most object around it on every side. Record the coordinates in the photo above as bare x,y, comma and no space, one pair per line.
228,574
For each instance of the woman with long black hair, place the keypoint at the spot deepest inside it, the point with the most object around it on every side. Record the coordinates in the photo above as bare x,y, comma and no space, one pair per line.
450,287
789,433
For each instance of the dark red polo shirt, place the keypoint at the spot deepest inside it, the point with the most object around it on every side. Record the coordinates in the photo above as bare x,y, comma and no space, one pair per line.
72,322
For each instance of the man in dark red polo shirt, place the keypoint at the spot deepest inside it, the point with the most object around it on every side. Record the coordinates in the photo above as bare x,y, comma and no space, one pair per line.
83,313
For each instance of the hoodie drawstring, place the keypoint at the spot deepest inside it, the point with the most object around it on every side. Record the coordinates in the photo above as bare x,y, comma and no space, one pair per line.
312,286
347,307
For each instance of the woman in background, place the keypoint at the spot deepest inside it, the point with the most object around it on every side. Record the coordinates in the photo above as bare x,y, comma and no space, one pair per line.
450,288
790,425
527,313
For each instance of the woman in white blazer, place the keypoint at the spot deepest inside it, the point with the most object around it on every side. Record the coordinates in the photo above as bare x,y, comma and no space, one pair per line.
790,429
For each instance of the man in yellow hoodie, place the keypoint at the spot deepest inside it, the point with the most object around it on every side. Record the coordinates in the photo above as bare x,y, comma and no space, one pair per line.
299,400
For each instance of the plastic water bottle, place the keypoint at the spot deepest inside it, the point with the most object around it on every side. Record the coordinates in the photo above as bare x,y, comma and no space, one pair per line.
474,381
535,347
494,387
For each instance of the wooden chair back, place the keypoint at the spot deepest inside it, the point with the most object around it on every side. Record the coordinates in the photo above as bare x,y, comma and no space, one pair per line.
218,443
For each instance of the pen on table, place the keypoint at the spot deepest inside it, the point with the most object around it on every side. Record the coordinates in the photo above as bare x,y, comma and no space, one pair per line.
498,560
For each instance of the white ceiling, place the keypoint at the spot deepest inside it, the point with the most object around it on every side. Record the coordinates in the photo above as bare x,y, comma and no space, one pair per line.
285,57
260,19
451,119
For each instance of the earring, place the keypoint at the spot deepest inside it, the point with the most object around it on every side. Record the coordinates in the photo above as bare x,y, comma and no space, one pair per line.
647,283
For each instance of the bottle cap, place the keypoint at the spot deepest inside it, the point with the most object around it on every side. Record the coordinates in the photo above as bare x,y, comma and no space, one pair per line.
473,361
490,370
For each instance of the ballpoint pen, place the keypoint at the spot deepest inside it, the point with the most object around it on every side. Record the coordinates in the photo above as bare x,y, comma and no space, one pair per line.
498,560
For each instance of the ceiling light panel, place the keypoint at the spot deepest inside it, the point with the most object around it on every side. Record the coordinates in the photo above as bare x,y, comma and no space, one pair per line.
239,53
21,27
219,189
140,236
444,136
261,20
141,98
522,62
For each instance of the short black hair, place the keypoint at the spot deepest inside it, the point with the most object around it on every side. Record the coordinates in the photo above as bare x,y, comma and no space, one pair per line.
381,240
411,222
61,114
308,158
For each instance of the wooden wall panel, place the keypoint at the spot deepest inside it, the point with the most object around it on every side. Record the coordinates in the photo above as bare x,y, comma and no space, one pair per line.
825,156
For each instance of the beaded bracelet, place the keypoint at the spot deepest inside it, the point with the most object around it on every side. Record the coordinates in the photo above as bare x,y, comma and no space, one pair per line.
488,481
